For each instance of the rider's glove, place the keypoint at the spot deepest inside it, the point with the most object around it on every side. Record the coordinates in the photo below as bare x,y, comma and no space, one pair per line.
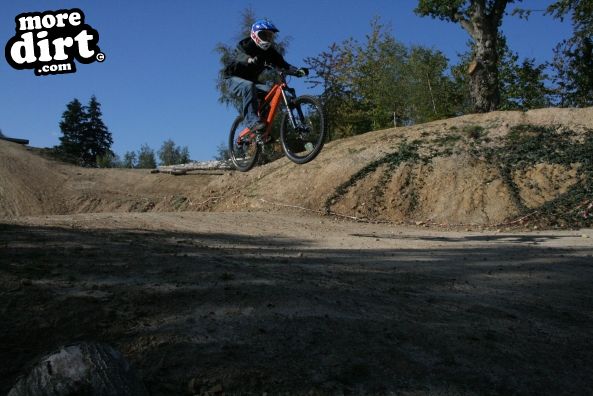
252,61
302,72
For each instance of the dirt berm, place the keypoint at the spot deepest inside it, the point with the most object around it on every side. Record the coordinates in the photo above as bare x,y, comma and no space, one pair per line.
476,169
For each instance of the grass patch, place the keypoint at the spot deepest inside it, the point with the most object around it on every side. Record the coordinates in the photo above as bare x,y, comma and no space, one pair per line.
447,140
473,131
352,151
178,202
405,152
528,145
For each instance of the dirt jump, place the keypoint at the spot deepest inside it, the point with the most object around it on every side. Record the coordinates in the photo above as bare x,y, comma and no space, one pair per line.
449,258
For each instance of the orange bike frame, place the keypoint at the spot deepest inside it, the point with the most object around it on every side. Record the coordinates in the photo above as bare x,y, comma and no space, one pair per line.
273,98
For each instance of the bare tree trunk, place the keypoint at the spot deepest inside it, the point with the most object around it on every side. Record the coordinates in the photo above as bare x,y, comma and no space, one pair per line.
482,25
484,88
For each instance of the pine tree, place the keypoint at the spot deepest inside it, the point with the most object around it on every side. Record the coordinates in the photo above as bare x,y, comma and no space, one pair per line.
72,126
98,139
84,135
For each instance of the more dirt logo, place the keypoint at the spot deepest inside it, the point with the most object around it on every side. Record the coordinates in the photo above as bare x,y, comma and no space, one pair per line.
49,42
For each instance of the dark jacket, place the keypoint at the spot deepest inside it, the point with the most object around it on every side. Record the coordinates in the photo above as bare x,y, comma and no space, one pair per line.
239,67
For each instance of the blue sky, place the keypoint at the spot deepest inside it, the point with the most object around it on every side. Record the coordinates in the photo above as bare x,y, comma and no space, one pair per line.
158,81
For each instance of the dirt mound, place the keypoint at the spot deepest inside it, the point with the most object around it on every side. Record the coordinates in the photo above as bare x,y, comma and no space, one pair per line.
479,169
32,185
29,184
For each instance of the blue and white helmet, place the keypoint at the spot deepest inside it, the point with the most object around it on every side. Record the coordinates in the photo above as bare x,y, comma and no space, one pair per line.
262,33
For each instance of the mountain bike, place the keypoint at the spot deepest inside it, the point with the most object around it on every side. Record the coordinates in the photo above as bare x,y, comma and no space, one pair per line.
302,127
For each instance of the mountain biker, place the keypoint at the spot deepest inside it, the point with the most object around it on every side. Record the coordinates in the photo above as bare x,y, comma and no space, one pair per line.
248,62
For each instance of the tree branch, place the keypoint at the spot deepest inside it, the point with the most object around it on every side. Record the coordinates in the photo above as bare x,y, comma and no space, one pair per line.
466,25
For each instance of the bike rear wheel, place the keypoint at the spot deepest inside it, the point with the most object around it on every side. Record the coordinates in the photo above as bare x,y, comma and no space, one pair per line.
304,140
243,150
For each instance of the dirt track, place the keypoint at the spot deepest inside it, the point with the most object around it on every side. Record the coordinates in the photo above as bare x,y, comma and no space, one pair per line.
216,282
255,302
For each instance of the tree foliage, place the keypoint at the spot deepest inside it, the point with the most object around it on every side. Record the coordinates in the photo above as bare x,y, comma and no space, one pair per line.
109,160
522,83
581,11
481,19
146,158
129,160
381,83
431,92
98,139
71,142
170,154
84,135
573,57
222,152
225,52
330,72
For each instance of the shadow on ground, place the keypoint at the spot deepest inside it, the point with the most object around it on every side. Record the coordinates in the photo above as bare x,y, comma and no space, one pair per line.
253,315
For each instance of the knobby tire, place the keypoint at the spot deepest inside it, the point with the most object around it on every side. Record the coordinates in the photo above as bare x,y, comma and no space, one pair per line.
243,156
305,143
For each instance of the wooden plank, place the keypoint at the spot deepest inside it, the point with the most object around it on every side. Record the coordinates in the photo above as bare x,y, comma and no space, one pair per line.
182,169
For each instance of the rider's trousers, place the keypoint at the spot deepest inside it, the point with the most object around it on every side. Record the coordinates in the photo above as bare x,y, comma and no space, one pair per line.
247,91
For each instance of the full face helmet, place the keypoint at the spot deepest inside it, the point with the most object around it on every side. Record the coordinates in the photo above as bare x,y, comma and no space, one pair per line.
262,33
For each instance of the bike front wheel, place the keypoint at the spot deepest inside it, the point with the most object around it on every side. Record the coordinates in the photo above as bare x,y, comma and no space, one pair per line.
303,137
243,148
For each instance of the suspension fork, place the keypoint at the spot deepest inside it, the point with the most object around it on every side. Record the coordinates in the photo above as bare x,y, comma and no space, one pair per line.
288,108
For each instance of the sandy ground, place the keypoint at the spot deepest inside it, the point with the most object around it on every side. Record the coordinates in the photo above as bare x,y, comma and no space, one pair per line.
254,303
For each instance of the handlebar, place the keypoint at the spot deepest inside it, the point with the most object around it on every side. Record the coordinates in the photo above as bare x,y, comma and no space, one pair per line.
286,72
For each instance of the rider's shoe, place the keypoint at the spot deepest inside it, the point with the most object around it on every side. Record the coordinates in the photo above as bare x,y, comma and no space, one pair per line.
258,129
